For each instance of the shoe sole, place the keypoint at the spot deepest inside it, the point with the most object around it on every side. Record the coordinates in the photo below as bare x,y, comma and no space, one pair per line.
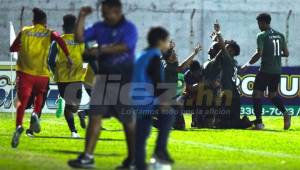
34,122
92,166
256,128
29,135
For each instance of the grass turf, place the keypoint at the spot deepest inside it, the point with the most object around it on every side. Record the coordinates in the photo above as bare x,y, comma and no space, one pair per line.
192,149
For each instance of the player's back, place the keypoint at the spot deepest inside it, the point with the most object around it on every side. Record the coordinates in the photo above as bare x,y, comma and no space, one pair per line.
271,43
35,42
62,72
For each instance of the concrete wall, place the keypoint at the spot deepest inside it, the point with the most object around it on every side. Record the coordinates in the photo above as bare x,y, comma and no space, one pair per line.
237,18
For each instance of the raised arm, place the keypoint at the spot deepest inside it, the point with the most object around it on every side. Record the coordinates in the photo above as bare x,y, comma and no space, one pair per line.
79,29
189,59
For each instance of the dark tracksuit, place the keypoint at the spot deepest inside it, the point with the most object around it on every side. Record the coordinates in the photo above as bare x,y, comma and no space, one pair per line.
149,70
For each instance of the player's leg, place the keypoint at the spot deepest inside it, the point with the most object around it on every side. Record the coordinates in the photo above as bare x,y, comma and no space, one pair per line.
40,87
92,133
86,159
130,134
260,85
165,122
143,128
24,89
179,119
68,107
273,87
72,93
68,113
29,131
83,113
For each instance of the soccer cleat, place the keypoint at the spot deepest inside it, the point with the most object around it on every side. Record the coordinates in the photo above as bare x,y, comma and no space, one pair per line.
81,116
246,122
160,162
287,121
82,162
35,123
163,157
259,126
16,137
127,164
75,135
29,133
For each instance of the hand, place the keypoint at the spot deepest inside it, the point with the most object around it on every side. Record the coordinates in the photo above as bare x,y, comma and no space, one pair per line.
197,48
85,11
70,62
172,44
245,67
217,27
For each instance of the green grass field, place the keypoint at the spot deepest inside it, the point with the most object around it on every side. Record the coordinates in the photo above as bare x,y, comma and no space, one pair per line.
192,149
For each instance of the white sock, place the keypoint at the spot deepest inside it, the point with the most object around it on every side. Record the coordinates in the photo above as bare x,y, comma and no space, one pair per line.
89,156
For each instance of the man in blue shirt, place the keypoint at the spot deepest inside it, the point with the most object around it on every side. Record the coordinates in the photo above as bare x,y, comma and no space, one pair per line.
116,38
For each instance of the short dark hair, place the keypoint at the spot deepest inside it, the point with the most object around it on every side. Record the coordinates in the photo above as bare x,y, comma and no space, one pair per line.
39,15
69,22
156,34
233,44
195,66
264,17
112,3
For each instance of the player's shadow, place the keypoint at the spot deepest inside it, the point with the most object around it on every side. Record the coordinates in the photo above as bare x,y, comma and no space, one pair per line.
96,154
64,137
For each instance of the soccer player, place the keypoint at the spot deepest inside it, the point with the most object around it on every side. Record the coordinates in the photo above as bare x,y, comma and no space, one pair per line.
33,44
172,68
228,77
116,37
192,76
271,46
149,71
69,81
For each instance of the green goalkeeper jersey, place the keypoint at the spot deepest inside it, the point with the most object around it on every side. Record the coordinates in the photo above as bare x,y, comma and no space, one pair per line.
271,43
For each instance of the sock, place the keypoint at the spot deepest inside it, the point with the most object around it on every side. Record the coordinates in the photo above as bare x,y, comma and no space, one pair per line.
257,109
278,103
21,109
90,156
71,123
33,113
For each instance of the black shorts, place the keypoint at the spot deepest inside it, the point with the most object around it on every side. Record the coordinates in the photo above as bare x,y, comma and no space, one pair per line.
264,80
108,101
71,93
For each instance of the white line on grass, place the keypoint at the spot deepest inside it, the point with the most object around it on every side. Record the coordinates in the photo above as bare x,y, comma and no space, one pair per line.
234,149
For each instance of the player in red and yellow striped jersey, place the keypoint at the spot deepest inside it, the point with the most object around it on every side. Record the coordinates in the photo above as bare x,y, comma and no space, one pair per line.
69,81
33,44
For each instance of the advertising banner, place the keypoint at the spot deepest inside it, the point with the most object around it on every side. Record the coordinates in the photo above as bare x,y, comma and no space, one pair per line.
289,91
